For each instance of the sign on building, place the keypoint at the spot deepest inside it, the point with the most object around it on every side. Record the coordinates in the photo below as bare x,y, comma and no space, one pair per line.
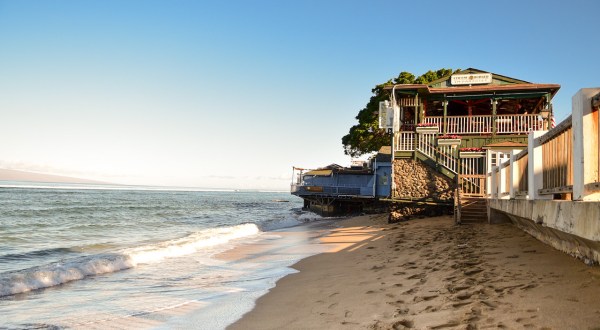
386,115
471,79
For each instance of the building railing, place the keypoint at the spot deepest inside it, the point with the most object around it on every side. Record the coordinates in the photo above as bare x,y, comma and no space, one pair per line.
521,185
483,124
332,190
561,163
471,185
404,141
443,155
557,151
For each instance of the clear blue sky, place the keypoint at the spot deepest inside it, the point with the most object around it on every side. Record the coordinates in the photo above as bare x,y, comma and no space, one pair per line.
234,93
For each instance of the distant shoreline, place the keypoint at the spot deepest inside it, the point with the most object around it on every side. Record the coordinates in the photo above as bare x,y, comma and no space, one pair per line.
17,175
111,186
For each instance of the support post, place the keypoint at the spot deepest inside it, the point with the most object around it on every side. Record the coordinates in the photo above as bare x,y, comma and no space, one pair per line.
417,119
494,111
514,176
550,112
392,160
585,145
494,183
445,123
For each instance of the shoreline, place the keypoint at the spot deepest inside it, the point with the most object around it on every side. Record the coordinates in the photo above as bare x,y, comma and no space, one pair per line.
429,273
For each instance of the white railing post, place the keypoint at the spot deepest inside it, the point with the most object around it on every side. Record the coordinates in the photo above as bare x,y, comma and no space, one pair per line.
514,176
535,175
585,144
494,183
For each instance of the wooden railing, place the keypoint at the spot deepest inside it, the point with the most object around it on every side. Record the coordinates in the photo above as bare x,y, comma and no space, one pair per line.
557,151
505,124
555,165
472,185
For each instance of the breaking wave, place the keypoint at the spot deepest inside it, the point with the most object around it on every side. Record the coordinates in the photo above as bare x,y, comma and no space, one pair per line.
78,268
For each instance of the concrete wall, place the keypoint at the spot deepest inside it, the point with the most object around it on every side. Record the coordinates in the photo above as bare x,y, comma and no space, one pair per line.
572,227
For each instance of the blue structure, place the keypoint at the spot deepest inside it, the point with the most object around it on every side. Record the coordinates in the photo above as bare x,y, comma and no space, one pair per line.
335,189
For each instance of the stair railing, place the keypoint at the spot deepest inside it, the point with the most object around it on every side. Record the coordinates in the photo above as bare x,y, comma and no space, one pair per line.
443,155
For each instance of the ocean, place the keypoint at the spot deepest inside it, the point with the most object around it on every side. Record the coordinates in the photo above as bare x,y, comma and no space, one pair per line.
74,256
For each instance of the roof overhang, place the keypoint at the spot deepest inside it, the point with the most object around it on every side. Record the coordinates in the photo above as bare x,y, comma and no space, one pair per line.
478,91
319,172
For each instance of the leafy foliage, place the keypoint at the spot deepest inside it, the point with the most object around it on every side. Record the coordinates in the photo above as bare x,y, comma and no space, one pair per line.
366,137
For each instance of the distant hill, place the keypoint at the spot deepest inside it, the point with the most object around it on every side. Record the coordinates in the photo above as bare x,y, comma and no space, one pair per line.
14,175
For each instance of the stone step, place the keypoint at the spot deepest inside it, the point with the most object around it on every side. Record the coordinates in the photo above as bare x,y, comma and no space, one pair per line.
474,210
473,216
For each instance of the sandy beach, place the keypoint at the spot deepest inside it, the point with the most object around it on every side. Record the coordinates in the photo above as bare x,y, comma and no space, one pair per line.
430,274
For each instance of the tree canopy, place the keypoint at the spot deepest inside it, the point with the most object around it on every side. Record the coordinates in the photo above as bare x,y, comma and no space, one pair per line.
366,136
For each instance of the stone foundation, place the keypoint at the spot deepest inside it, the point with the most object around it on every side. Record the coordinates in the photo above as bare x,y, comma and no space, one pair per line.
414,180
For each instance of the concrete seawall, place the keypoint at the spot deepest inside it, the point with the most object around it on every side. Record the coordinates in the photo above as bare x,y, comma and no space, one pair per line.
572,227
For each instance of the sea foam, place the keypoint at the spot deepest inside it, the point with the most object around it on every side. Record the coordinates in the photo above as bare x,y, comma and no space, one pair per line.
78,268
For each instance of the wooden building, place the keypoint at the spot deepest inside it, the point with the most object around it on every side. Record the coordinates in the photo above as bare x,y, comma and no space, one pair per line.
462,125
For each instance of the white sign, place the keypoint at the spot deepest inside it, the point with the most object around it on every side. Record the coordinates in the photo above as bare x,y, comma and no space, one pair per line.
386,115
471,79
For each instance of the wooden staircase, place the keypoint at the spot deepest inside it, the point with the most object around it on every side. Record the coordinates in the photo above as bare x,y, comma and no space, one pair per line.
472,210
470,204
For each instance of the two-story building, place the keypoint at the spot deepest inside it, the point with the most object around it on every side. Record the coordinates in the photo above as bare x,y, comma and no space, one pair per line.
456,128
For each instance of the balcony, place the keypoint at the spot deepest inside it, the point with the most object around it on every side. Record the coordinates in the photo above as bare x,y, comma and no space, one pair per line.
484,124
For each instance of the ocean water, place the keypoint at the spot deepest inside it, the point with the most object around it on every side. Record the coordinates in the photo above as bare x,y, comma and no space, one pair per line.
75,257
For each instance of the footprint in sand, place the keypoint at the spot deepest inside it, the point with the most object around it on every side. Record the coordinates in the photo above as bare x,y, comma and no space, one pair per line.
401,311
529,286
411,291
461,304
424,298
404,324
416,276
472,271
464,296
449,324
489,304
396,303
458,288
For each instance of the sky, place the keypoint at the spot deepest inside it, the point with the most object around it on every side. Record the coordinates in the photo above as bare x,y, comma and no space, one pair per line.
232,94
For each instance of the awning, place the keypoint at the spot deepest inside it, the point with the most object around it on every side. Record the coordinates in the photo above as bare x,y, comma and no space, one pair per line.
319,172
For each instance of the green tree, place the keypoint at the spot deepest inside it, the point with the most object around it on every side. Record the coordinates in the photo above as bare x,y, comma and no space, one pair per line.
366,136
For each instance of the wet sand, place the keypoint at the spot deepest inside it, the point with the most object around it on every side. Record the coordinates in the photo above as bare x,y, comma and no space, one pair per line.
431,274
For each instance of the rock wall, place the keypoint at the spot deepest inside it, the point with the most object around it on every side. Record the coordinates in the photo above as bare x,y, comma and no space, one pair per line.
414,179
